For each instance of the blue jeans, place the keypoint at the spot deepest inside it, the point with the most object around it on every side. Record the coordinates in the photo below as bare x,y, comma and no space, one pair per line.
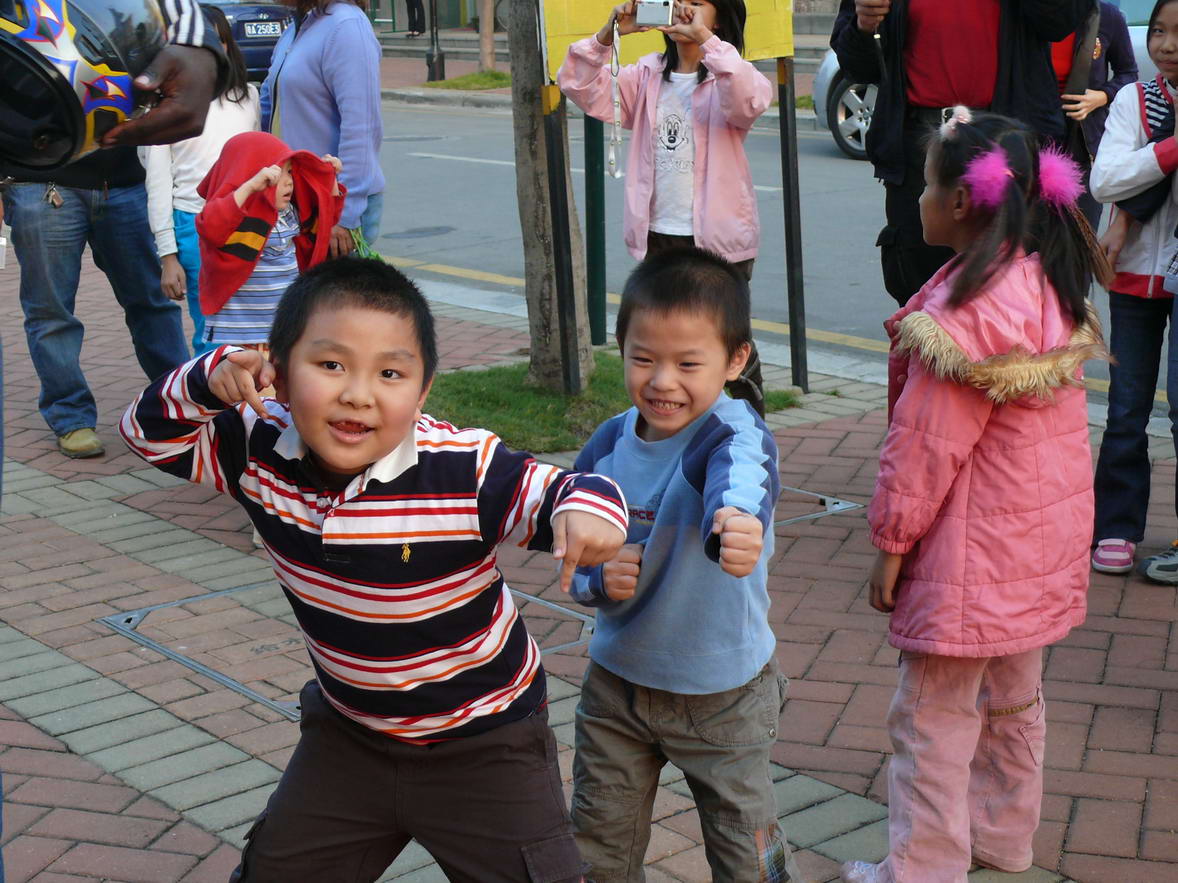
49,242
188,253
370,220
1122,470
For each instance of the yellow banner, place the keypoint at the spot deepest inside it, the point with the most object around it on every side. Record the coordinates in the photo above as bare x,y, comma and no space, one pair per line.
768,33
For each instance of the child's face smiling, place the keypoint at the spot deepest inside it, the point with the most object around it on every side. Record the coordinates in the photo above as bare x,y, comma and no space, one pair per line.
676,366
354,384
284,189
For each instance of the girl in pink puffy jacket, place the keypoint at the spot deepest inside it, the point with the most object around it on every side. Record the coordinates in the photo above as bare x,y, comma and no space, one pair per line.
982,511
690,108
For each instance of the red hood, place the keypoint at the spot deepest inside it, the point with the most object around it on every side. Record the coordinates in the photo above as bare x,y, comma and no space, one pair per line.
244,155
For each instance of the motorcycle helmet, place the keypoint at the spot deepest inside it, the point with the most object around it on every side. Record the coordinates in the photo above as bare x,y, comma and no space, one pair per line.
66,68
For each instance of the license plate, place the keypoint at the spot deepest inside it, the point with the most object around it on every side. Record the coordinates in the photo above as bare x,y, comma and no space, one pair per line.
263,29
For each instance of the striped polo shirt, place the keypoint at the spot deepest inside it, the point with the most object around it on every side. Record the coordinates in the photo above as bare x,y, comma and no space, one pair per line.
408,622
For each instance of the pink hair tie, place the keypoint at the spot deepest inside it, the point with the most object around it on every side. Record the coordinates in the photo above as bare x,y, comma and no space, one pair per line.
987,176
1060,179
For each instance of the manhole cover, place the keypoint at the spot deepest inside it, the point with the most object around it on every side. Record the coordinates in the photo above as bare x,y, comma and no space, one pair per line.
418,233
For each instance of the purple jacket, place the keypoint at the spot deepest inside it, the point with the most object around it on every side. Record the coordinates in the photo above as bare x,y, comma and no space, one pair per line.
723,108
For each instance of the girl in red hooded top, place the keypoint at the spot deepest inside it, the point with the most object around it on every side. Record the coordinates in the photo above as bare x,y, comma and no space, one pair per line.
265,204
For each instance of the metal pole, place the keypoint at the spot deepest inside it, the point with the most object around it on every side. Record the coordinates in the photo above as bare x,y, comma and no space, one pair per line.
790,193
595,226
562,251
435,58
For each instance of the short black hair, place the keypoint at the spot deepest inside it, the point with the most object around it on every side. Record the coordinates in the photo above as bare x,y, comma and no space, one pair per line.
691,280
353,282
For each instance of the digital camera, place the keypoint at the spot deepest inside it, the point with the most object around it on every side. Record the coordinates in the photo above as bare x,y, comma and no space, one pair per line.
654,13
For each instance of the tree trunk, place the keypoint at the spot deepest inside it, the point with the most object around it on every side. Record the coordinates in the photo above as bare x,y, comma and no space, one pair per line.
486,35
535,211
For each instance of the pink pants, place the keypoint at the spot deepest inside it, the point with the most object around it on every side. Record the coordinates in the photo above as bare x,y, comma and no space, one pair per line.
966,780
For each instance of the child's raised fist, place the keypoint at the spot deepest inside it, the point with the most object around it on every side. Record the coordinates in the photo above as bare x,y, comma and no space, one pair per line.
239,377
333,161
619,576
741,540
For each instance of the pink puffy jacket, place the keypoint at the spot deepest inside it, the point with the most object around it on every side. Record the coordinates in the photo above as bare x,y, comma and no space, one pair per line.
985,479
723,108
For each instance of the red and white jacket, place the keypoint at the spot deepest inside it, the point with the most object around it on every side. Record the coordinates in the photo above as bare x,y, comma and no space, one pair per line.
1127,164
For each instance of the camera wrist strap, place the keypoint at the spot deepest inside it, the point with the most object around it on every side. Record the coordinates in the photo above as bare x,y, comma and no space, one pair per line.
615,137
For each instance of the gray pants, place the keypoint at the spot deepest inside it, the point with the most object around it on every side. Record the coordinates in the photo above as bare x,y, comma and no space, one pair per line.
721,742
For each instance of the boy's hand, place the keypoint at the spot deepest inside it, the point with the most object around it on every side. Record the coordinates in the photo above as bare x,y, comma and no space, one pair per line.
883,581
741,540
619,576
239,376
582,540
266,177
334,162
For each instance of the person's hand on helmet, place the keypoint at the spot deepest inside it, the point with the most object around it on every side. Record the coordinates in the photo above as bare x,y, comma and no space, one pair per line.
185,78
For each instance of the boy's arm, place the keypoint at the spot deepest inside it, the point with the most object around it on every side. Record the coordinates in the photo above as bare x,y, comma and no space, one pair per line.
519,498
179,426
736,471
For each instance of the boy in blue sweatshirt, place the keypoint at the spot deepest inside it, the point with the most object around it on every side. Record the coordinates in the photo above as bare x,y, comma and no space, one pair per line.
683,665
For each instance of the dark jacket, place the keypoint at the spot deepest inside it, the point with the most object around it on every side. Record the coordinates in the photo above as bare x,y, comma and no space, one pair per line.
102,169
1026,89
1115,50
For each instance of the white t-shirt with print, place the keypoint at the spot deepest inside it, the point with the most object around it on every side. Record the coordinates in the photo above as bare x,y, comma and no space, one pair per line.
671,204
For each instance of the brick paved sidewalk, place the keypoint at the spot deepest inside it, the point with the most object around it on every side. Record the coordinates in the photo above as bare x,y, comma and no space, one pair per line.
123,763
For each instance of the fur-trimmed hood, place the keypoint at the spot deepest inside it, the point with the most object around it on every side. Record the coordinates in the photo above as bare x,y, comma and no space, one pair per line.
1013,347
1016,375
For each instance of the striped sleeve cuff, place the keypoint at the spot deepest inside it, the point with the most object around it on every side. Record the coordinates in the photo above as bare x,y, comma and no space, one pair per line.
184,22
596,495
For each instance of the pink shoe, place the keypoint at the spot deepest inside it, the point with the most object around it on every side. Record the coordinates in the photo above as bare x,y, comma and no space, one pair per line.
1113,556
858,872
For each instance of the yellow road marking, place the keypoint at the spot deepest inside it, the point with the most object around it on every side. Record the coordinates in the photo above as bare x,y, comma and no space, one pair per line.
866,344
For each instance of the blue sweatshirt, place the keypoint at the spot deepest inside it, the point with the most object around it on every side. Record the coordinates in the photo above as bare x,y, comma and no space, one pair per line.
327,76
690,627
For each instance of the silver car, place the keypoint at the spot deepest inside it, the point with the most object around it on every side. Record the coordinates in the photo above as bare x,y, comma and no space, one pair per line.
845,108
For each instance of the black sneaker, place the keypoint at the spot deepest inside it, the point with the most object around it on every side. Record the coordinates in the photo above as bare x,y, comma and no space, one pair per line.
1163,567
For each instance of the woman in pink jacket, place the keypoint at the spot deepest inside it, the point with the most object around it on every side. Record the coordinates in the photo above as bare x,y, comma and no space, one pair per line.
689,109
983,507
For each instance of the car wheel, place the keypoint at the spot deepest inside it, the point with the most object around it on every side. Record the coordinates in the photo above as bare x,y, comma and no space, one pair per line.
848,112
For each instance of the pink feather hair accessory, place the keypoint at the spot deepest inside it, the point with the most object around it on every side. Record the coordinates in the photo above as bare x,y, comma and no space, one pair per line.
1060,179
987,176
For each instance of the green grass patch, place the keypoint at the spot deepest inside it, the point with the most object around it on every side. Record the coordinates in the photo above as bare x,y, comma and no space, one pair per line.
474,82
779,400
804,102
539,420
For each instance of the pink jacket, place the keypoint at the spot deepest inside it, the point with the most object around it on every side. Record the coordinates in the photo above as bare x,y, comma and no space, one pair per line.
723,108
985,478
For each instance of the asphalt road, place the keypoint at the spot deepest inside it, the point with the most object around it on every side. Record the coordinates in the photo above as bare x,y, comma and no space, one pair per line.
451,200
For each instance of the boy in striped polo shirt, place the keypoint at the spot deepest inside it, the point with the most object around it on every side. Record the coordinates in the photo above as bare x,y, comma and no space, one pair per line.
427,718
